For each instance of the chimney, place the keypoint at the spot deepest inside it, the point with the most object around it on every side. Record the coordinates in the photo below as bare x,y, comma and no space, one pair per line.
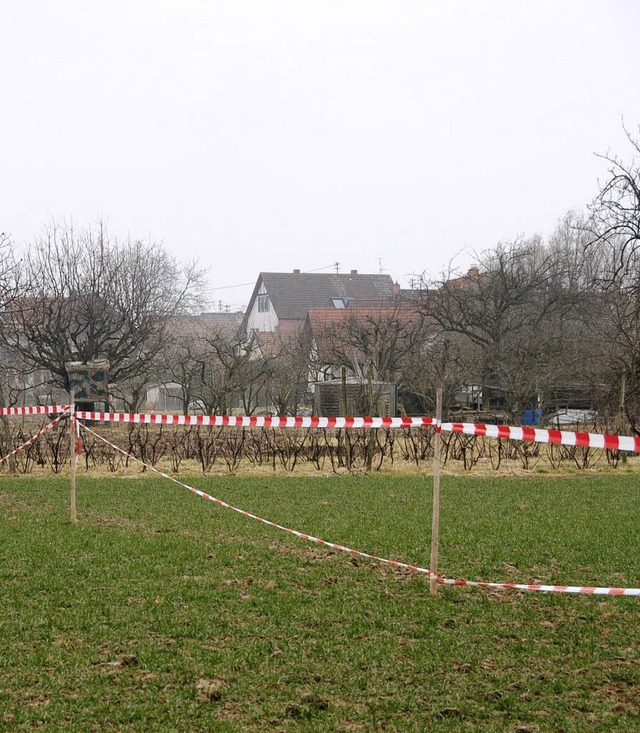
396,288
296,272
473,272
354,272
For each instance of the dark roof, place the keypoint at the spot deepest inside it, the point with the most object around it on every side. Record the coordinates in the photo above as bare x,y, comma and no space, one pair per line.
293,294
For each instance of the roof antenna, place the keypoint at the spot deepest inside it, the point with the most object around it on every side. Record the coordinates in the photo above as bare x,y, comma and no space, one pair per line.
337,266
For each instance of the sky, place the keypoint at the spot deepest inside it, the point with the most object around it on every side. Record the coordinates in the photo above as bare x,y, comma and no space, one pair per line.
394,136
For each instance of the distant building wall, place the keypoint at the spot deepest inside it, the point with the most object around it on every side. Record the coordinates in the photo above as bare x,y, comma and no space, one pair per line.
329,399
262,316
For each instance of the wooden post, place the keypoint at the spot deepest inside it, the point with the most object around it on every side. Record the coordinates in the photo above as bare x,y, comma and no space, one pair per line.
74,454
435,519
6,429
343,412
343,406
622,427
371,438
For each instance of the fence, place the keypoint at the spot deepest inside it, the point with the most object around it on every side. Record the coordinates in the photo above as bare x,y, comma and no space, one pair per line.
341,427
212,449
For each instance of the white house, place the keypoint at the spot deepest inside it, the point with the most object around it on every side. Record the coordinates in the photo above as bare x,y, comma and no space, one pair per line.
281,300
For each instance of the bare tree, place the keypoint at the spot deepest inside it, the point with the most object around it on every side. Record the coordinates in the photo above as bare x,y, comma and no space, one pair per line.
185,367
287,369
9,270
189,361
615,212
373,338
516,308
230,372
446,360
86,296
9,292
613,342
615,244
376,342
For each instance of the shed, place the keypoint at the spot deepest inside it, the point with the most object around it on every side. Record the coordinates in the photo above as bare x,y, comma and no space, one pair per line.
329,398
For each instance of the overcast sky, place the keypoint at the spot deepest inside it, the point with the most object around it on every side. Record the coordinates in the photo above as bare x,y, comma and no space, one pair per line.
257,136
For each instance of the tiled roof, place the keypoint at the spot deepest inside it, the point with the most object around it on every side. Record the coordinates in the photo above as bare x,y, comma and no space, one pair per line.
269,343
325,325
362,312
206,324
293,294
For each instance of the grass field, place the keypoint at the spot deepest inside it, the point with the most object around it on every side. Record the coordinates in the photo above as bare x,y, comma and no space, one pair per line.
162,611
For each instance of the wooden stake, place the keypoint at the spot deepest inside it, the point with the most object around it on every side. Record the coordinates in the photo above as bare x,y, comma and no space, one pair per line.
74,455
435,519
371,438
343,406
622,427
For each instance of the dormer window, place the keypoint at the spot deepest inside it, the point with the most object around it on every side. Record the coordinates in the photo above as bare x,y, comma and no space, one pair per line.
263,303
338,302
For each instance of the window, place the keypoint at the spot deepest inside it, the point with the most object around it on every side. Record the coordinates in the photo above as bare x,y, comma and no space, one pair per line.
338,302
263,303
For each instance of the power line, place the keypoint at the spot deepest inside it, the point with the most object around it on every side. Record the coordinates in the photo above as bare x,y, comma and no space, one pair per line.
228,287
335,265
326,267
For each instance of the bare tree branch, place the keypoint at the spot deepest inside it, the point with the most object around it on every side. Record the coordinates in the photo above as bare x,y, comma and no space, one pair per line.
85,296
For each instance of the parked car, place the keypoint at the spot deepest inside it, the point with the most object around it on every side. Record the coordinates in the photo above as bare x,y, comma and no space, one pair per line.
562,418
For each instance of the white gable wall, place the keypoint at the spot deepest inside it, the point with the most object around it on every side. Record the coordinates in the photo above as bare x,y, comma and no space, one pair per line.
258,320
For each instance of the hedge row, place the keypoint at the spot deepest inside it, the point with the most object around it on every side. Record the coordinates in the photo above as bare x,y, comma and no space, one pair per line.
214,448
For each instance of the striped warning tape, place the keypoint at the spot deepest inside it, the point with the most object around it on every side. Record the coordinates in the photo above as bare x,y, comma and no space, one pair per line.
33,438
35,410
258,421
536,435
506,432
542,435
244,513
586,590
578,589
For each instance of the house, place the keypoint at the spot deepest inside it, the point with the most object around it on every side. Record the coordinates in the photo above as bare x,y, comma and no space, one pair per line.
364,336
358,355
180,379
206,323
281,300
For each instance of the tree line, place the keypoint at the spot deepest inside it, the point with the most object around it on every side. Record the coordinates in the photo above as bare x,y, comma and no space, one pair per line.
535,323
541,323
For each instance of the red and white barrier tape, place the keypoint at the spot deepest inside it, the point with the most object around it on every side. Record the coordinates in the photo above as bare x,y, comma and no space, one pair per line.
258,421
37,410
244,513
33,438
506,432
542,435
586,590
578,589
536,435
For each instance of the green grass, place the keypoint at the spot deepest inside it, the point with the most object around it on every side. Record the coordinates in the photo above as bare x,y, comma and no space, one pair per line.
162,611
